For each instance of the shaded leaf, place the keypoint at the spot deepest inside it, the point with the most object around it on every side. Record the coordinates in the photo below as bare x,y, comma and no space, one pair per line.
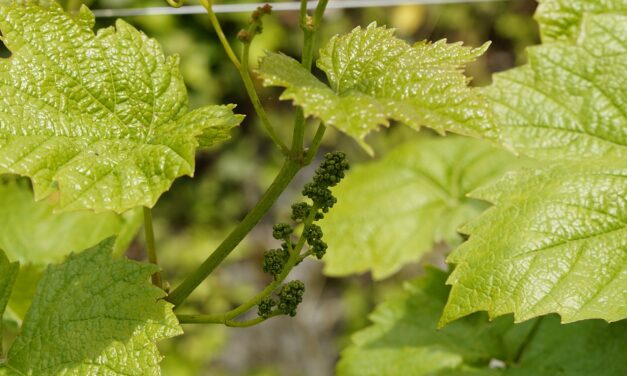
36,236
8,273
403,340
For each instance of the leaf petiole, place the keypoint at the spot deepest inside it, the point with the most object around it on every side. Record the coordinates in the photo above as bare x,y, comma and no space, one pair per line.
150,246
242,68
254,98
310,27
207,319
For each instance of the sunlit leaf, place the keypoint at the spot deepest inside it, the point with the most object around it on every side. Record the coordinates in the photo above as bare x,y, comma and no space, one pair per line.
94,315
561,19
100,118
376,77
570,100
555,241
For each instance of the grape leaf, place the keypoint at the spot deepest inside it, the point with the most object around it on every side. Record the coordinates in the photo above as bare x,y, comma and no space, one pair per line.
556,241
376,77
403,340
561,19
569,101
36,236
32,232
8,273
417,199
583,348
99,118
94,314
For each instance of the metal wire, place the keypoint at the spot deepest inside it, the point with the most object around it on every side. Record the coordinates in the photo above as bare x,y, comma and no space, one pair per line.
281,7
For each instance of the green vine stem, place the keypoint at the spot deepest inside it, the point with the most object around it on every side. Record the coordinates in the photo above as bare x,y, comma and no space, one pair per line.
309,26
208,5
150,246
285,176
206,319
254,98
315,143
295,258
290,168
242,68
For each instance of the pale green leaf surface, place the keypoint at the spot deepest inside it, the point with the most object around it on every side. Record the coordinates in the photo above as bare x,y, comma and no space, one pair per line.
8,273
570,101
36,236
403,340
393,211
376,77
561,19
94,315
555,242
33,233
99,118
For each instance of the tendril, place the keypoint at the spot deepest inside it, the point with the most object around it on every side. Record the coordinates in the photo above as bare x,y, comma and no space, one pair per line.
175,3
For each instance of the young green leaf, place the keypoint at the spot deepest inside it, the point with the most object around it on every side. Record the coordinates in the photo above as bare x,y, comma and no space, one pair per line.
94,314
376,77
8,273
403,340
561,19
99,118
569,101
36,236
418,199
554,242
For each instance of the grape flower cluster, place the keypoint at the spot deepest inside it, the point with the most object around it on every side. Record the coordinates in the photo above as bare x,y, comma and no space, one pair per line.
330,172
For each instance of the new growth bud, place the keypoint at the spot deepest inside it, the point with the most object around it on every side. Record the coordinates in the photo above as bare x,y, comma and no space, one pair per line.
244,36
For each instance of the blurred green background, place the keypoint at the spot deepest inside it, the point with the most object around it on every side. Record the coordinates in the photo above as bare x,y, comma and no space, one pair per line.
196,214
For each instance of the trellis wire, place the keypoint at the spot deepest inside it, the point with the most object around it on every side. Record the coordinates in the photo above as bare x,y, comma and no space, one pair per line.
281,7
